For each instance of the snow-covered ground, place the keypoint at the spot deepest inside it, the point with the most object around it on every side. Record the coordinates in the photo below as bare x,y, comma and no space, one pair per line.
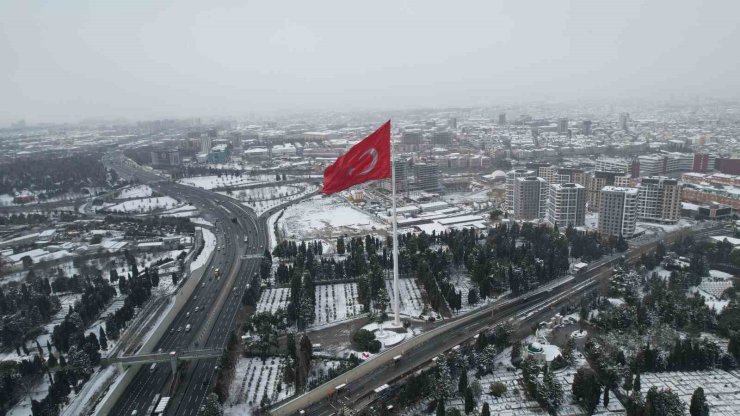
201,221
716,274
412,303
144,205
335,303
467,197
722,389
273,299
213,181
255,380
209,241
322,217
135,191
260,200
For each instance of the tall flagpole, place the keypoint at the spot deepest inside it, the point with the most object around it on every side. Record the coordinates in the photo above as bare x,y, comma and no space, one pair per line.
396,306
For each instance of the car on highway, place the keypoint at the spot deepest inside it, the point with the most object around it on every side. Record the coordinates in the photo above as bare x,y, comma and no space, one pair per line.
187,315
179,329
187,328
197,308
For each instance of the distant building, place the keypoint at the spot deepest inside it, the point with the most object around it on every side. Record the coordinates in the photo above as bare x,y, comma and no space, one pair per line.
205,143
501,119
569,175
411,141
530,194
566,205
563,125
586,127
442,138
701,162
219,154
624,119
165,157
659,200
452,123
618,211
728,166
610,164
427,177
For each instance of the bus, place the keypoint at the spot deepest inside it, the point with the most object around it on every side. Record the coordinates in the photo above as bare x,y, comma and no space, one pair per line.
397,358
381,389
150,410
161,406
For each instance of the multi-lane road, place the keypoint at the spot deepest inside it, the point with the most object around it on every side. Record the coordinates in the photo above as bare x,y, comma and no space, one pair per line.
241,238
418,351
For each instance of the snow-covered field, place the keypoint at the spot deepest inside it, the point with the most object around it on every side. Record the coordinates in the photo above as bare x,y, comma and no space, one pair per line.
322,217
201,221
254,381
213,181
135,191
412,304
335,303
273,299
209,241
144,205
722,389
260,200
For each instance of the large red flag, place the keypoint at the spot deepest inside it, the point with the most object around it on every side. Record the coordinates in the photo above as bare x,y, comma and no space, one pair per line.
367,160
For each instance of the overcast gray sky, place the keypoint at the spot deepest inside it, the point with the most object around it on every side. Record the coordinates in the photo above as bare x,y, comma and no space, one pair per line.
64,60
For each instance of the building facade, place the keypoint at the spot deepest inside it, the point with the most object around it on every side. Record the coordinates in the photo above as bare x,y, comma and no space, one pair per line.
530,195
659,200
618,211
566,204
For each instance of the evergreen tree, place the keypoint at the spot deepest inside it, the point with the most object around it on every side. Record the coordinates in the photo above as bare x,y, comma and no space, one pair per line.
636,385
698,402
103,339
440,407
486,410
469,401
606,397
462,384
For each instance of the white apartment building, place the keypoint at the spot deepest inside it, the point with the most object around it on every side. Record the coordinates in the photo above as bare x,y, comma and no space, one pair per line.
659,200
511,177
618,211
566,205
530,198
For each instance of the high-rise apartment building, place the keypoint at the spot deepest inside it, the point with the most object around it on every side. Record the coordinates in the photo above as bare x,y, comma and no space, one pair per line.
501,119
566,204
618,211
624,119
659,200
598,180
530,196
511,177
206,142
586,127
427,177
563,125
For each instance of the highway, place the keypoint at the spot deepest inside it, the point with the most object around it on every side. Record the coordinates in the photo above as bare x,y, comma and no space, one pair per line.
217,299
420,350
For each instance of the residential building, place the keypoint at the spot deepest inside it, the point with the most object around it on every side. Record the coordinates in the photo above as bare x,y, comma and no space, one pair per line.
563,125
219,154
427,177
598,180
659,200
511,177
566,204
618,211
530,194
165,157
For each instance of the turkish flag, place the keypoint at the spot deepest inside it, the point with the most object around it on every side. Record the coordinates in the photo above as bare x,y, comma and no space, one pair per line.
368,160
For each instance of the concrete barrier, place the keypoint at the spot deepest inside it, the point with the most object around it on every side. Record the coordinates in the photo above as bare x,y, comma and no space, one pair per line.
181,298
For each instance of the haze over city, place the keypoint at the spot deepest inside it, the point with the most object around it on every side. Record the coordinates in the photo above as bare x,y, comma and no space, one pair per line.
72,60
